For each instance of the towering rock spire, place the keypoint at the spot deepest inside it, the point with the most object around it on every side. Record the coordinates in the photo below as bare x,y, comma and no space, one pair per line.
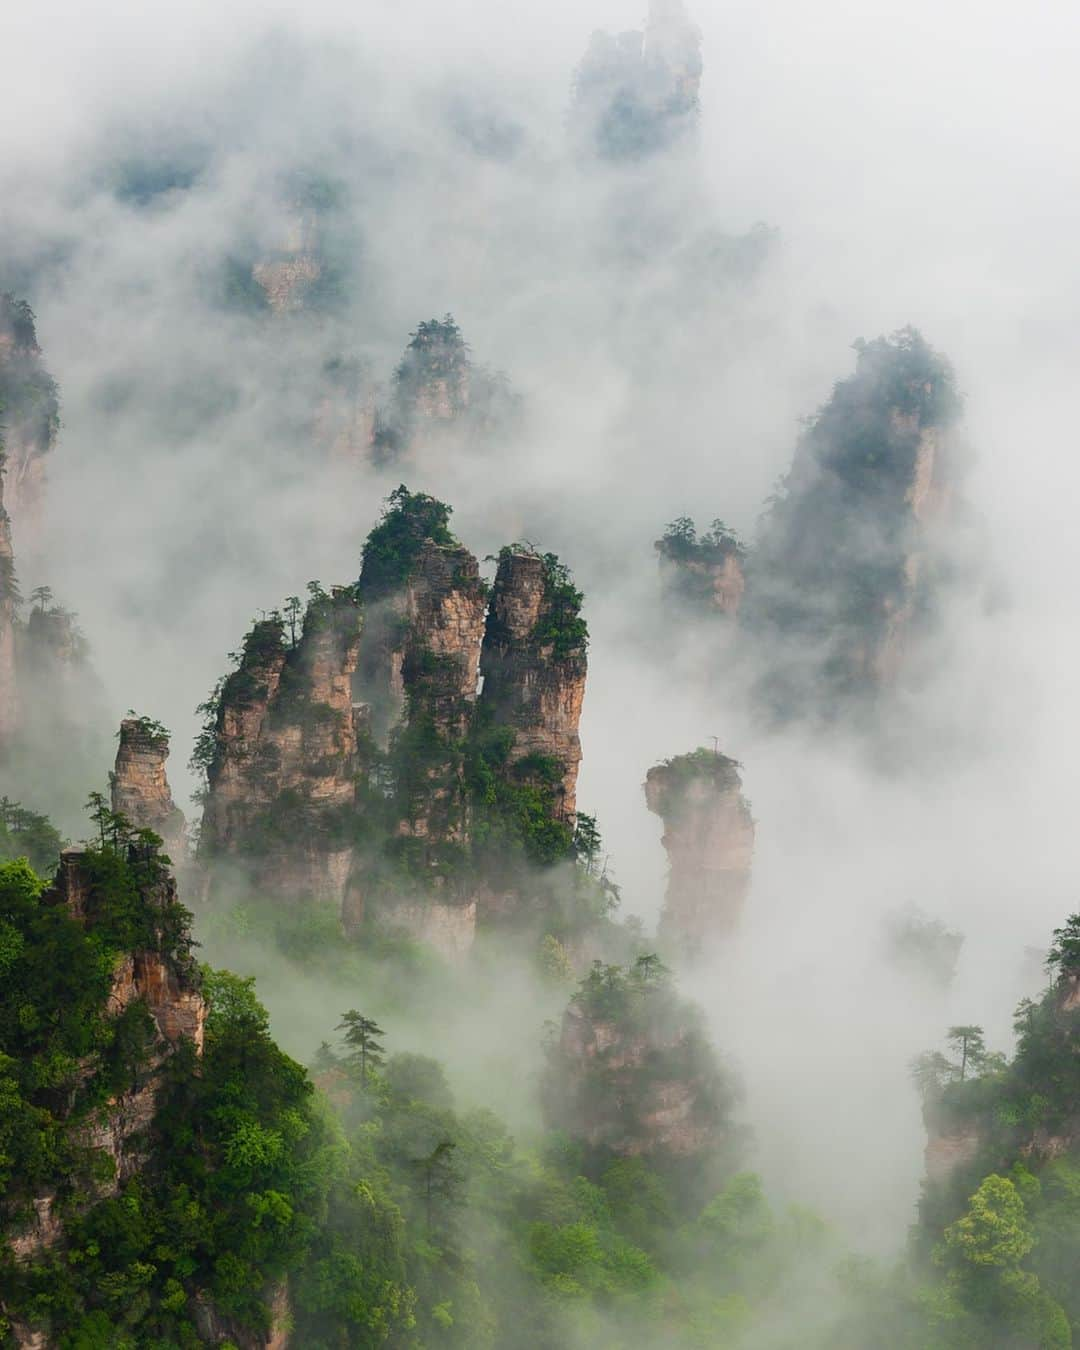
29,410
140,785
632,1072
705,574
358,764
844,571
534,666
283,754
439,391
709,838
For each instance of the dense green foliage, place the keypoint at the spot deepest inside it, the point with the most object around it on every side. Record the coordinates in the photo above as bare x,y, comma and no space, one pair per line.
703,763
691,561
442,806
628,1042
410,520
999,1235
30,835
560,622
681,543
396,1220
56,973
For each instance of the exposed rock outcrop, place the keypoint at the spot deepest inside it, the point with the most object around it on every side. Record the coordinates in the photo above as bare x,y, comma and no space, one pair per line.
30,411
706,574
418,671
709,838
29,419
844,574
285,756
359,765
437,392
219,1330
140,785
165,980
946,1152
632,1072
534,668
423,631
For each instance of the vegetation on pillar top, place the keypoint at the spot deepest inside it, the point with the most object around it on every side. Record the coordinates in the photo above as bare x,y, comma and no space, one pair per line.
704,762
436,351
146,728
559,624
857,436
409,521
681,543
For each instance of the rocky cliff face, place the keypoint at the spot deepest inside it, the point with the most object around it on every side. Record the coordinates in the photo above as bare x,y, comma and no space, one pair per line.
843,577
378,779
29,419
168,988
707,574
709,838
282,776
439,396
631,1073
534,668
421,650
419,672
140,786
219,1330
31,411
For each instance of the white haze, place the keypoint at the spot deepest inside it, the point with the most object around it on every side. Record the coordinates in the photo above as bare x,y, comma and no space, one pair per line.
916,161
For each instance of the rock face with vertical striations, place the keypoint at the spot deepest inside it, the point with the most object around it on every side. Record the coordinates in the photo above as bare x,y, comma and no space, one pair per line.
424,605
709,838
534,668
140,785
360,765
423,630
284,759
845,575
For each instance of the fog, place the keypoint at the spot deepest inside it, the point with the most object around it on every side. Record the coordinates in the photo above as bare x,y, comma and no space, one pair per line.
913,162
